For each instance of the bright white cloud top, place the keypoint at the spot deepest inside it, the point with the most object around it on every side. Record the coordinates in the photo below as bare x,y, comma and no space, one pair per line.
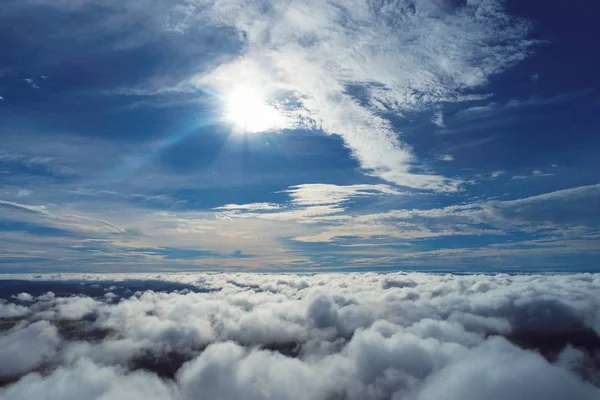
348,336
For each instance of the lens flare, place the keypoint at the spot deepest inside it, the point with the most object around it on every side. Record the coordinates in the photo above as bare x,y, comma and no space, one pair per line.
248,112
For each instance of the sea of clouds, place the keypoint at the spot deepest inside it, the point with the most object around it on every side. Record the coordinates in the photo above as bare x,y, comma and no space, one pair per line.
327,336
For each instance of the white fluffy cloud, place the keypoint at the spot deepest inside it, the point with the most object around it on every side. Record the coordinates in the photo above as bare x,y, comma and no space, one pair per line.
24,348
499,371
354,336
10,310
86,380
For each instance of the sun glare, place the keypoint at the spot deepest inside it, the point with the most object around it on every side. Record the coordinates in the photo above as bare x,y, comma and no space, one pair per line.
249,113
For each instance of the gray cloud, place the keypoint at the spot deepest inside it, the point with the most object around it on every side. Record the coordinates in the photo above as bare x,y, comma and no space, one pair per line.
9,310
24,348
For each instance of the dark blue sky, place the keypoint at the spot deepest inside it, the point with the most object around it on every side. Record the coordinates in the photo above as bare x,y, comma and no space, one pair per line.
165,135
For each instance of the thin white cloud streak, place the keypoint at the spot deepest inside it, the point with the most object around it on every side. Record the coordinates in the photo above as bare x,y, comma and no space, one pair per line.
360,336
24,207
250,207
309,203
490,109
534,174
319,193
43,216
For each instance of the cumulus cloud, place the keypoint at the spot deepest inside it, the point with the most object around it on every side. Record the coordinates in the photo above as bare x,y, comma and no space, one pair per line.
24,348
353,336
85,379
498,371
10,310
23,297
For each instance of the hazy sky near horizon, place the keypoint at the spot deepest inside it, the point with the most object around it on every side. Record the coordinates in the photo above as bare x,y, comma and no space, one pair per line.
299,135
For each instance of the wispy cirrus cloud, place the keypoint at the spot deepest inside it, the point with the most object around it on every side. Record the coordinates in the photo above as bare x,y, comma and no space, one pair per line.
574,206
487,110
319,193
536,173
408,56
403,56
250,207
41,214
24,207
309,203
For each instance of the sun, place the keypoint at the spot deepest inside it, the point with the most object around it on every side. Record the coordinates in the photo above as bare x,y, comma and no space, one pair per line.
248,112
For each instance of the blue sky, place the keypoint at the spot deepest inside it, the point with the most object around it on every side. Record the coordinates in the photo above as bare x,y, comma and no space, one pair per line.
267,135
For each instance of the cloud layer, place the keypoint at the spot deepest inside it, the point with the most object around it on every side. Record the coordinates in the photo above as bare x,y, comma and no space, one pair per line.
331,336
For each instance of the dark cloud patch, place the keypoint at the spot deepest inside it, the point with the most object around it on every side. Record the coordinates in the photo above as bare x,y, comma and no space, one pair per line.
76,330
165,365
391,283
